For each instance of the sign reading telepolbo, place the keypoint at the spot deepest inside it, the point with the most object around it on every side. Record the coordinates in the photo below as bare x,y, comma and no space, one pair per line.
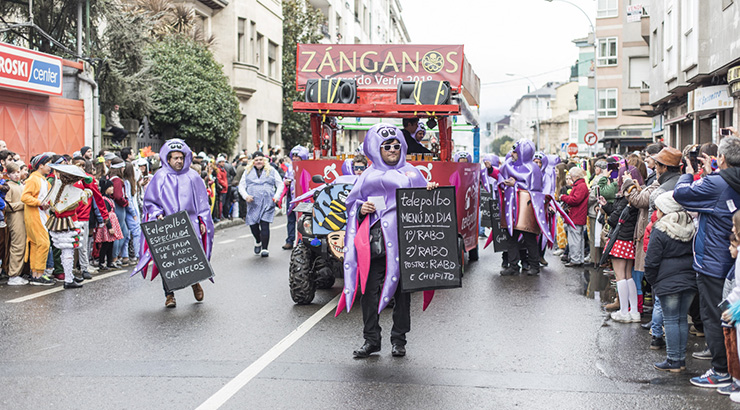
26,70
379,65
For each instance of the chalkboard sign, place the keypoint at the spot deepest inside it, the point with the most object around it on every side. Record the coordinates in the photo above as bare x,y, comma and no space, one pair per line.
427,236
486,197
500,236
177,251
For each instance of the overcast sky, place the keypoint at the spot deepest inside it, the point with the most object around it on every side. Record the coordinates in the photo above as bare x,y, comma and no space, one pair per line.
526,37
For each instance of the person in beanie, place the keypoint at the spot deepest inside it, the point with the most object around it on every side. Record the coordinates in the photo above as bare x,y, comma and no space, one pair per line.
668,268
35,215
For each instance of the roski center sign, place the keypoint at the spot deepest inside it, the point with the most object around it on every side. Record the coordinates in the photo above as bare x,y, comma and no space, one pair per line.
379,65
26,70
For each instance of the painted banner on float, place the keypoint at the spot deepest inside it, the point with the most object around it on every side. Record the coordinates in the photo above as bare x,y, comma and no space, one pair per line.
380,66
30,71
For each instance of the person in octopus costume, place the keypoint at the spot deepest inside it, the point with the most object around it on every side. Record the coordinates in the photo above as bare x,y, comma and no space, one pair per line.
298,153
374,274
522,174
174,188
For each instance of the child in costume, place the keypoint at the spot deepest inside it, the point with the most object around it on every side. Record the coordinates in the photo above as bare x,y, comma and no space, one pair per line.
106,235
16,226
35,217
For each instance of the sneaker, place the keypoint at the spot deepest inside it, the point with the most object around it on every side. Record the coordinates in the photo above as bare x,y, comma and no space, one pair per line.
531,272
257,248
734,387
265,253
72,285
42,280
657,343
170,302
91,269
636,317
712,379
543,261
558,252
668,365
86,275
59,276
510,271
619,317
703,355
17,281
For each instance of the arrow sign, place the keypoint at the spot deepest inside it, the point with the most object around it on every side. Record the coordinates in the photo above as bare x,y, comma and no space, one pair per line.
590,138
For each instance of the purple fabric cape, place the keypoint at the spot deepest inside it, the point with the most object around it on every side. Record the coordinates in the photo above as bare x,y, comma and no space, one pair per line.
170,192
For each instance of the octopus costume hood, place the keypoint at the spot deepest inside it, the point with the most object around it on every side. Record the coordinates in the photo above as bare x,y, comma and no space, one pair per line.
462,154
172,191
378,179
528,177
549,173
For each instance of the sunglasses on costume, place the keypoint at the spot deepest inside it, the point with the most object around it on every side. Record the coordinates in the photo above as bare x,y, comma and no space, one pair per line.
389,147
359,167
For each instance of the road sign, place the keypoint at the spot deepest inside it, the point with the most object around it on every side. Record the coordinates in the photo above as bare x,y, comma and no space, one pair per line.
590,138
572,149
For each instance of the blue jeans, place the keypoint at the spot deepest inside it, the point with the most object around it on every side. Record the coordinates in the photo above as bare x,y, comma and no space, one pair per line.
119,250
675,311
291,228
657,329
134,230
637,276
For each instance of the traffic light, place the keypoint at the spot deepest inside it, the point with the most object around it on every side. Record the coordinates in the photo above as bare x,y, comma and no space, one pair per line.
332,90
423,92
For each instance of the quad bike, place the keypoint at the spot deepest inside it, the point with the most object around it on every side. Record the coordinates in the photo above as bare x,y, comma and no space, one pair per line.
316,261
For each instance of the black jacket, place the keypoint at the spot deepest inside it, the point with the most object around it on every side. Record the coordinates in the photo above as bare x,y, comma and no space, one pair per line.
668,264
627,231
413,146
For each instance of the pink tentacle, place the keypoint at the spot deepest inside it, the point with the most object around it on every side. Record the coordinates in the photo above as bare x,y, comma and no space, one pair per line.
362,244
428,296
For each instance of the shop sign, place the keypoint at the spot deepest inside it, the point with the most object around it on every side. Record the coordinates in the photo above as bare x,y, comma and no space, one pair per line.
634,13
710,98
657,123
381,66
30,71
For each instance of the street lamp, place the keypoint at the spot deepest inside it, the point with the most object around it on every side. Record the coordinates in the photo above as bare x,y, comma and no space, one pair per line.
596,52
537,98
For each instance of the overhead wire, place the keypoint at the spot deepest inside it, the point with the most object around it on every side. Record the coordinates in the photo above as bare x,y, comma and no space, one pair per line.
519,78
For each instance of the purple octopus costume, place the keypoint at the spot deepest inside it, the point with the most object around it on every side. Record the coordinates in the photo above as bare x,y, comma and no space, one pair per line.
378,179
170,192
528,177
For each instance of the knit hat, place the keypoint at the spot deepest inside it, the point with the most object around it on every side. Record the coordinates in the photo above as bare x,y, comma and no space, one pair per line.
117,163
667,204
257,154
104,184
602,164
40,160
83,150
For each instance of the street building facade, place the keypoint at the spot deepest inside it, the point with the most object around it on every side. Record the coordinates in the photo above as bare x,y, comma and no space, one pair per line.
530,108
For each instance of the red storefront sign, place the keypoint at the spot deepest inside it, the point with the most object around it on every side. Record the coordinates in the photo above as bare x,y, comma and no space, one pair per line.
30,71
380,66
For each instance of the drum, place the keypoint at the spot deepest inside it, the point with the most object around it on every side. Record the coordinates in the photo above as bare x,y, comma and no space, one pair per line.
526,221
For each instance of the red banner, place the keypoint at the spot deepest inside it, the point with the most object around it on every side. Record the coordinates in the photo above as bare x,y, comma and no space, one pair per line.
381,66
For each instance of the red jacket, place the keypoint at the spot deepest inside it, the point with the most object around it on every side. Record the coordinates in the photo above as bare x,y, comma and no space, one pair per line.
83,210
578,202
119,192
222,180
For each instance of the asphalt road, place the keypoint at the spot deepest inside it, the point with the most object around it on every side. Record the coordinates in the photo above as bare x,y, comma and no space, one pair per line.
499,342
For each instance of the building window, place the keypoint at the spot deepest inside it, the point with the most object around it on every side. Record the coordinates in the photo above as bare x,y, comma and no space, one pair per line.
252,41
272,52
607,52
260,131
655,48
260,47
608,102
573,129
607,8
272,134
639,72
241,40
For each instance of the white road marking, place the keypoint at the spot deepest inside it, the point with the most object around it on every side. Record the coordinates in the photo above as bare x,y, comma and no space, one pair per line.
249,235
237,383
226,241
61,288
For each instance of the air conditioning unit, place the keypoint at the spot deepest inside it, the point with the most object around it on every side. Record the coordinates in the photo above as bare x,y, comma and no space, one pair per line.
332,90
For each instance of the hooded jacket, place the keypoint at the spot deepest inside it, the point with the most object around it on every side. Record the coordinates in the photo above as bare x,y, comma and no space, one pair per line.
668,262
715,199
172,191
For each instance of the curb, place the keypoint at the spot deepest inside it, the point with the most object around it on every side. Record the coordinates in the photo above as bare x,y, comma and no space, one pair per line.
228,224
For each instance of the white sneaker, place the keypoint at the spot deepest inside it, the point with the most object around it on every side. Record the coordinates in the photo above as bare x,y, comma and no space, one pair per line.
735,397
558,252
635,316
92,269
618,317
265,253
17,281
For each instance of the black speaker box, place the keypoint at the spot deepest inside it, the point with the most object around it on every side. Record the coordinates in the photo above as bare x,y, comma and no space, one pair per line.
332,90
423,92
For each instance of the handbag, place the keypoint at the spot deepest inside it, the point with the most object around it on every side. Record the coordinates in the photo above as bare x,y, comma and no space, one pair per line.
613,235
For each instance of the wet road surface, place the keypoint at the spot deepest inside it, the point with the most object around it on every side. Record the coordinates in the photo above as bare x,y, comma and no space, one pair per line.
499,342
